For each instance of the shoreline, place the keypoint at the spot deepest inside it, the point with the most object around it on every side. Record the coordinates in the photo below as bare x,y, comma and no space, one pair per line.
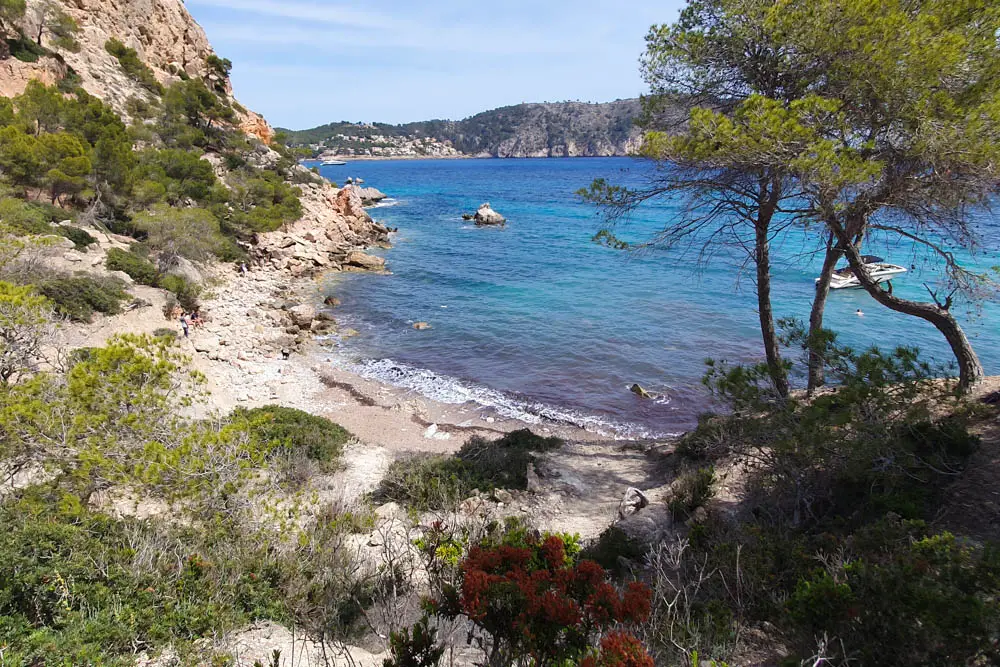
239,352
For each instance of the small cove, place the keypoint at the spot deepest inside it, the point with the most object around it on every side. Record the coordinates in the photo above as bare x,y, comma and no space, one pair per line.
537,321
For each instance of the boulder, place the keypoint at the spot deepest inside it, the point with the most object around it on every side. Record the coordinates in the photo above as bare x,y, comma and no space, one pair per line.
633,501
185,269
486,216
331,301
639,391
468,216
303,315
364,261
370,196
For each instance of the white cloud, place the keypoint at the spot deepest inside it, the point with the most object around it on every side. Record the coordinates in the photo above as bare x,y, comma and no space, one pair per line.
332,27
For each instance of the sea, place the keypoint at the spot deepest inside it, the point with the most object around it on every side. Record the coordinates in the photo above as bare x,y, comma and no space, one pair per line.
537,321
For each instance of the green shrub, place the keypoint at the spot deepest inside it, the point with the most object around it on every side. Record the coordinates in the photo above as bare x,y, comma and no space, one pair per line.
915,599
165,333
184,290
436,482
73,589
425,482
80,238
613,546
137,267
26,50
132,65
24,218
691,491
504,463
318,438
79,297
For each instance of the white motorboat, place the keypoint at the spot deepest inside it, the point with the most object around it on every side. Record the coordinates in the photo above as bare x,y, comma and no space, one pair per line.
333,163
880,271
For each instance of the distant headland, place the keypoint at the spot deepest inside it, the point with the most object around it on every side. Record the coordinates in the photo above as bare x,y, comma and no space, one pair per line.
557,129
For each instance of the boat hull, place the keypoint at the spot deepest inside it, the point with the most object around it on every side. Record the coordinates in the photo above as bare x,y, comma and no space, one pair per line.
879,273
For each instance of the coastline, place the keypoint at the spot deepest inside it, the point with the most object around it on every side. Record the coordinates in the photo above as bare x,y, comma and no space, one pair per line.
239,351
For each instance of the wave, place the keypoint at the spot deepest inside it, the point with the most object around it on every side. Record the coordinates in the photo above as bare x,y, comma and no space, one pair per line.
386,203
450,390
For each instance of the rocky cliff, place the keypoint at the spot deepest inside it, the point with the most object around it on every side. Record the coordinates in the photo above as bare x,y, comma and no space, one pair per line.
563,129
164,35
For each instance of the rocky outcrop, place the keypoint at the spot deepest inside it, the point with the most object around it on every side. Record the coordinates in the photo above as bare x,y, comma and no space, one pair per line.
333,227
487,217
164,35
15,74
371,196
254,125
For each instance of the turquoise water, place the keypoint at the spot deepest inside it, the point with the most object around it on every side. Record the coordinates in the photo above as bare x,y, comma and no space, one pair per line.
536,321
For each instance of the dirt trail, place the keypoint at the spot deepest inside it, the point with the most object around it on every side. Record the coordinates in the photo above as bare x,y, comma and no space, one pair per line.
579,487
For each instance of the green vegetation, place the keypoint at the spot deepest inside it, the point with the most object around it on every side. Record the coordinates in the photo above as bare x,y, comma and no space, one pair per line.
439,482
298,432
561,123
79,297
79,585
136,266
132,65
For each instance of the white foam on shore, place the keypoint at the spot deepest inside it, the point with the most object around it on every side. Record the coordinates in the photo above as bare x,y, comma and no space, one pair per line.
445,389
386,203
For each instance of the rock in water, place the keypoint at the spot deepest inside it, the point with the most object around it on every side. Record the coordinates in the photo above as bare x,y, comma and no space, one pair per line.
468,216
639,391
486,216
365,261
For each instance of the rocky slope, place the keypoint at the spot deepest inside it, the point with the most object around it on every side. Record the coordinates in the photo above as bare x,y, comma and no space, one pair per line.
563,129
165,36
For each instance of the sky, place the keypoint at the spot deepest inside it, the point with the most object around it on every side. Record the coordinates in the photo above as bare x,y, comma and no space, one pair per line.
303,63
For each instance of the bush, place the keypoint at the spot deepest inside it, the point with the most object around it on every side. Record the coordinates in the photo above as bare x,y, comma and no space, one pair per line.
132,65
425,482
26,50
436,482
170,334
538,605
79,297
691,491
80,238
185,291
295,431
916,599
137,267
504,463
74,590
613,546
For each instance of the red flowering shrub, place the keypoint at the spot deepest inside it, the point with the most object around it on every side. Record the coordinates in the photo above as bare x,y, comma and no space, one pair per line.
535,604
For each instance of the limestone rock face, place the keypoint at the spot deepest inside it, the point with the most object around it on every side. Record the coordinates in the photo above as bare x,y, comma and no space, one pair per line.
15,74
371,196
162,32
333,225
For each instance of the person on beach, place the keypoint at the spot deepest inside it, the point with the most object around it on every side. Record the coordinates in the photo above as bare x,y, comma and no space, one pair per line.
196,320
243,269
184,324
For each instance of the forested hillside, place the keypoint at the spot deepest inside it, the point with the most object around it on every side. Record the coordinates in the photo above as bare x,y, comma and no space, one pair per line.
563,129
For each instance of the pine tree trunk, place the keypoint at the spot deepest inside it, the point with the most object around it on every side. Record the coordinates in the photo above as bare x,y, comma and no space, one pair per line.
817,361
970,368
772,347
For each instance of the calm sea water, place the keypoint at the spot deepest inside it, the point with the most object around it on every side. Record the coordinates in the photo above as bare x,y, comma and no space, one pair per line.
537,321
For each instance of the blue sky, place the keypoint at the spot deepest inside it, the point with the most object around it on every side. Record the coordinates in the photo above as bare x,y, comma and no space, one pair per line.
303,63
